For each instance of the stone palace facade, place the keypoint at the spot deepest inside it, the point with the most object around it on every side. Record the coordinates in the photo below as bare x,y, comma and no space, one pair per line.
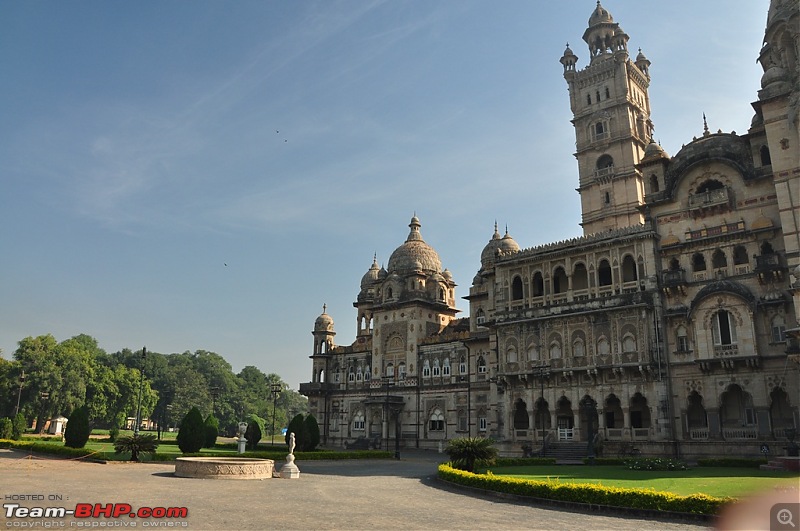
670,324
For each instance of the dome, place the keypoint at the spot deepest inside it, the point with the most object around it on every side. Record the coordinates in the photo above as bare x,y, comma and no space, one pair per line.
654,151
502,244
600,15
372,275
324,322
774,74
414,255
670,239
640,56
448,276
762,223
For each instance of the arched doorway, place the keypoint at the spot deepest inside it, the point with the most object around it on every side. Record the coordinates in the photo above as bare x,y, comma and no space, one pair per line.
521,419
589,418
737,415
615,420
541,417
696,417
780,412
565,419
640,417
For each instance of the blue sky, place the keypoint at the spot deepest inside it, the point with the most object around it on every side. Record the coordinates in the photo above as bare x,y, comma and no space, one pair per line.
206,175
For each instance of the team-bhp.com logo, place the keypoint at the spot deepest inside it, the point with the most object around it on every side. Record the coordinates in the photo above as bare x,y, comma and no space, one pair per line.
95,510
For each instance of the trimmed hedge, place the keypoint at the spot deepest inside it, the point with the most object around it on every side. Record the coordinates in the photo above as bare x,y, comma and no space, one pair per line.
51,449
647,499
740,462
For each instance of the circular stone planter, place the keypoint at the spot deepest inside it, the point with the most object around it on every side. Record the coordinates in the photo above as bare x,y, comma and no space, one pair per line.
224,468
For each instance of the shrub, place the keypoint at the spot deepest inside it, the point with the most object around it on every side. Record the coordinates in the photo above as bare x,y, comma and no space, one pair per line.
312,433
136,444
211,430
254,432
298,427
5,428
18,426
656,463
467,452
78,430
113,433
741,462
192,433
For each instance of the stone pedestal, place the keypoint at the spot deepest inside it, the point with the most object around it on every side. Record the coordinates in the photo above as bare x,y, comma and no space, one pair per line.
290,470
242,443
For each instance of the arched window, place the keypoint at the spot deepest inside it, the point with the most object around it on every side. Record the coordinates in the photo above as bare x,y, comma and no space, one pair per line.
481,365
628,269
778,326
390,370
682,339
766,160
674,264
521,420
538,284
560,282
710,185
629,343
604,273
351,375
516,289
766,248
533,353
603,347
426,369
389,293
359,374
555,350
358,422
695,412
401,370
718,259
511,354
654,183
723,328
698,262
462,365
608,94
580,277
740,255
436,421
605,162
436,369
367,374
446,367
588,99
578,348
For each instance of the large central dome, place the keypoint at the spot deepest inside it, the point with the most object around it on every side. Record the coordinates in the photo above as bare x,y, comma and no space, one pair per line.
414,254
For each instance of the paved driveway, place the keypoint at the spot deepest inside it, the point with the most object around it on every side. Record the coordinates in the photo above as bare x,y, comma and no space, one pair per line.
370,494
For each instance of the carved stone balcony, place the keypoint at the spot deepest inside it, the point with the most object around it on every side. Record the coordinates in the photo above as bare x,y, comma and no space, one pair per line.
770,268
674,282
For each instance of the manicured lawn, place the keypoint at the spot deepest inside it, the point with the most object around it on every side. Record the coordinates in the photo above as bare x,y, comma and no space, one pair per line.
714,481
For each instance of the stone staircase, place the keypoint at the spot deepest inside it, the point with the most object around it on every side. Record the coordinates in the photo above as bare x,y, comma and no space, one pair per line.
567,452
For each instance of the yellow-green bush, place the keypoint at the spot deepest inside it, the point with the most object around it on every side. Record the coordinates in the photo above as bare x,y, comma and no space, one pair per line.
649,499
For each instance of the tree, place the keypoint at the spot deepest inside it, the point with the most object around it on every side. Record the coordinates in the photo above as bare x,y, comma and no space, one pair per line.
78,429
467,452
136,444
192,433
312,433
255,428
212,430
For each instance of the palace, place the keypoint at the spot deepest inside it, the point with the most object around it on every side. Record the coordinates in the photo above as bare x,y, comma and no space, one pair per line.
670,324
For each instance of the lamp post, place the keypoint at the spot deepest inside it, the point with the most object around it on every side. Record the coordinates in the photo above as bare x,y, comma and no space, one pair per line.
19,393
275,389
139,401
590,411
44,396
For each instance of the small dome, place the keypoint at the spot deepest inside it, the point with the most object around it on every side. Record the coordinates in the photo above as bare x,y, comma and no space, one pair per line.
640,56
600,15
757,120
762,223
448,276
372,275
568,52
324,322
497,244
654,151
414,255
